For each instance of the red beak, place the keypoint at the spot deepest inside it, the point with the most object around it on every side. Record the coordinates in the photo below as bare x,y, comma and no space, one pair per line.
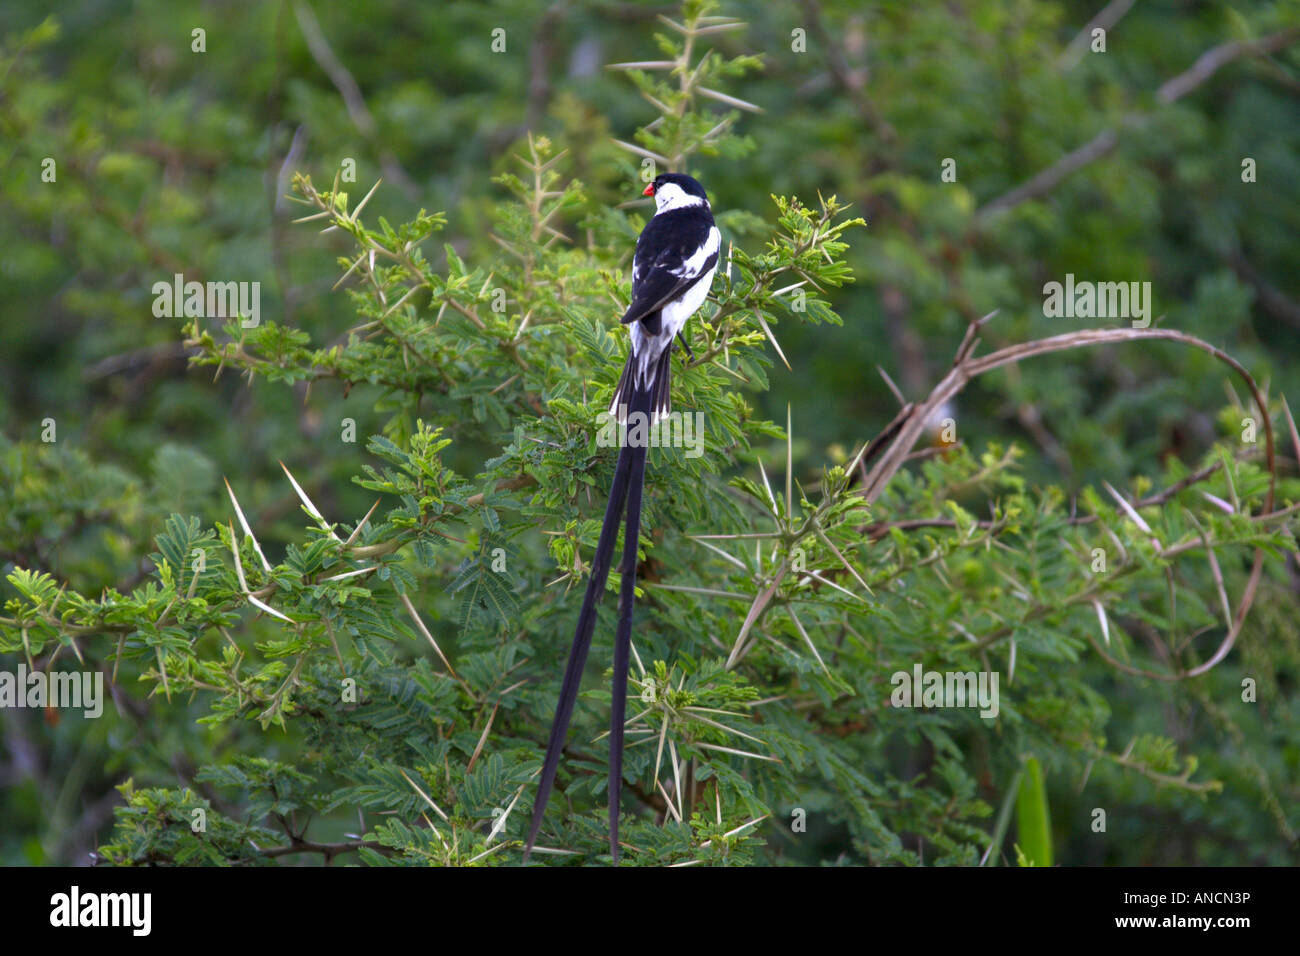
649,190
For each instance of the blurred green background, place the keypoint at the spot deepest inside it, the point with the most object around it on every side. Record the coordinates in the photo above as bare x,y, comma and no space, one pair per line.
170,160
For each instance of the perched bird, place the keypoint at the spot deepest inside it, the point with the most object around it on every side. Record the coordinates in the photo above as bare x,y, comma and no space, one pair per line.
672,272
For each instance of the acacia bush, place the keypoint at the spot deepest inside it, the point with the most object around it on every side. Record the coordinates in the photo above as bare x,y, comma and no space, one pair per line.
375,687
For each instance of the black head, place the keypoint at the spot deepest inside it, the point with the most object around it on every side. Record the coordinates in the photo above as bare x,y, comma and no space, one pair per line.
687,184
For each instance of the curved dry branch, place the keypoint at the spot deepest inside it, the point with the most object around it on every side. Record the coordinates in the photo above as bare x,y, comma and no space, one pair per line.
966,367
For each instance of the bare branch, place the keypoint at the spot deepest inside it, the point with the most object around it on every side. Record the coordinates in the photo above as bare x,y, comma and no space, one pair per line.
1206,65
909,426
1107,18
347,86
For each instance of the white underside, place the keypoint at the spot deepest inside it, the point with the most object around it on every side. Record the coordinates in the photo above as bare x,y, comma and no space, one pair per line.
673,316
648,348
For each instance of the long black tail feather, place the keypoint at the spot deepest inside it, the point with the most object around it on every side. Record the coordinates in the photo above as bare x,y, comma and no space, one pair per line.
581,641
623,643
661,402
629,481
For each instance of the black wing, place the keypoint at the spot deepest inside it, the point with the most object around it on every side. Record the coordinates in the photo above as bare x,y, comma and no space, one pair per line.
659,281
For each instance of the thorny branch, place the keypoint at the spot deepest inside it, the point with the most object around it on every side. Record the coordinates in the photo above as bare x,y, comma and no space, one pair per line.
966,366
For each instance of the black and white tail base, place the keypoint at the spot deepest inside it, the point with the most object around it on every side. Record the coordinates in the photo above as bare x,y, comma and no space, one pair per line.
653,378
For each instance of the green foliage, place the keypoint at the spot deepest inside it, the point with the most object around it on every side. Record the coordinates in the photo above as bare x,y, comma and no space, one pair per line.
1033,821
160,826
353,650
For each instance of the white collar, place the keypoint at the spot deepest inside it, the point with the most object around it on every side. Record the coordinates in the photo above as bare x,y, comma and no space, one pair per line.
670,196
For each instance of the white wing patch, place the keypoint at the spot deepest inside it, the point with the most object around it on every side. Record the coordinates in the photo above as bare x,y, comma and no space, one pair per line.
695,263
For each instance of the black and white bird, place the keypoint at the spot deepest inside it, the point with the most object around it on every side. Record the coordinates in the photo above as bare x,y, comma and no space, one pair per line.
672,272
